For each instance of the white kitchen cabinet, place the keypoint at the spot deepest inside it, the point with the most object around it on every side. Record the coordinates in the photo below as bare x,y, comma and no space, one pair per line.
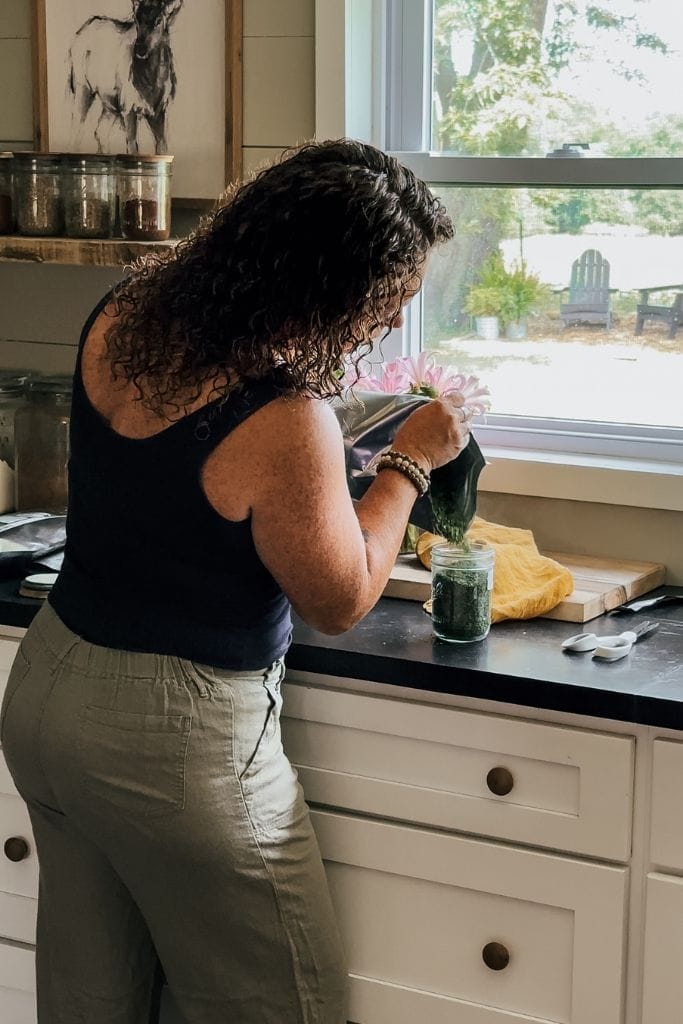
451,831
17,985
422,913
8,648
666,831
544,785
662,974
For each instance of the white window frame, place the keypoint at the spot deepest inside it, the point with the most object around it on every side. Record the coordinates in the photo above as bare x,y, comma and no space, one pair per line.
378,88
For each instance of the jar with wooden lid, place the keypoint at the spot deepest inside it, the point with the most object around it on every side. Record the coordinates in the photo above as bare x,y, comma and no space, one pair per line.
6,193
39,209
41,446
89,192
144,191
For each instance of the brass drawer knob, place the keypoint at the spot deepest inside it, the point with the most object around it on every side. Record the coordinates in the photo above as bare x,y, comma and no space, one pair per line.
16,849
496,956
500,781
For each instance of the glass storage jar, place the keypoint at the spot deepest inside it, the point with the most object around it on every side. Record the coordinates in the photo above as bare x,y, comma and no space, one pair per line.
39,209
41,446
6,211
89,193
144,190
462,581
12,397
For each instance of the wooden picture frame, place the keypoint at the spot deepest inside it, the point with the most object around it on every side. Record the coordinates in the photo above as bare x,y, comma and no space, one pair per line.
228,125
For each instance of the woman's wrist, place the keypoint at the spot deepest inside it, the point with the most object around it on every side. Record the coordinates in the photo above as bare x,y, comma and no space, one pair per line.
408,466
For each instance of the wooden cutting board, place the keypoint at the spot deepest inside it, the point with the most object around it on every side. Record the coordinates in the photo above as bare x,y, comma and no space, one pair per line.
600,584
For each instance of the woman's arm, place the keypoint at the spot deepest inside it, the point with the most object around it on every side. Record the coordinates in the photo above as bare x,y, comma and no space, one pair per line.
332,558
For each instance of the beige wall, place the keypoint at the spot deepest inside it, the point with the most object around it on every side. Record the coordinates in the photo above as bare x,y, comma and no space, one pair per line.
43,307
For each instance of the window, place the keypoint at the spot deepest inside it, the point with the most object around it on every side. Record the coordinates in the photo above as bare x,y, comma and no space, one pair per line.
551,129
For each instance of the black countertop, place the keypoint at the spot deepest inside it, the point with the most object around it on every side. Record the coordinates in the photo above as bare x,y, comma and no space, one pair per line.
519,662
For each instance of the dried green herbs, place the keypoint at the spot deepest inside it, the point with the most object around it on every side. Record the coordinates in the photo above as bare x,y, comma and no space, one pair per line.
462,579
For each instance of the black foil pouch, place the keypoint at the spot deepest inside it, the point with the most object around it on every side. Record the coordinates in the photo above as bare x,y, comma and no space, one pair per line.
369,421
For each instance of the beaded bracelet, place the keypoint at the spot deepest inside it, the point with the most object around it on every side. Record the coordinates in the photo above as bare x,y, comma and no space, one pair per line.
409,467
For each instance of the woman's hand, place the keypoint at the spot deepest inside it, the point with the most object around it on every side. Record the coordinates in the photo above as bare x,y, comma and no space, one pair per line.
435,433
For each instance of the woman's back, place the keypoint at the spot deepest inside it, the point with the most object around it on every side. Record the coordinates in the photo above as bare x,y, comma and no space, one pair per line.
150,563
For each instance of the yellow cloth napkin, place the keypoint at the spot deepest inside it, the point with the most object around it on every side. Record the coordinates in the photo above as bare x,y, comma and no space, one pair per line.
525,583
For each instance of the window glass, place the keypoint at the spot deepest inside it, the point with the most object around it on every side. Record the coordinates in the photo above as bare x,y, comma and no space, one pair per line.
546,350
526,77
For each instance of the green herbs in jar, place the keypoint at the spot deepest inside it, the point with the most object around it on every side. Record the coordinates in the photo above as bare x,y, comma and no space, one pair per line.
462,580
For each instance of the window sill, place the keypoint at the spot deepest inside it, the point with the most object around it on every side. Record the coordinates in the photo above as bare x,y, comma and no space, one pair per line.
602,479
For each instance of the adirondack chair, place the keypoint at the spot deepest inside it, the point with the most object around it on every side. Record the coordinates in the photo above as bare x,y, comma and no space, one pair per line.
671,315
589,301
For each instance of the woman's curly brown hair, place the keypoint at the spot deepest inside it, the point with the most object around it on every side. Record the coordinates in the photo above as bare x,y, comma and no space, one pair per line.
295,266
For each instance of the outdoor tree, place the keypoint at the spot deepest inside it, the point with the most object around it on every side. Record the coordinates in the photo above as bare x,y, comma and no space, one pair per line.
497,91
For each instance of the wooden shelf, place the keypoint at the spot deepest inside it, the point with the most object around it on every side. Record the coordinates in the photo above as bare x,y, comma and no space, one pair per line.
91,252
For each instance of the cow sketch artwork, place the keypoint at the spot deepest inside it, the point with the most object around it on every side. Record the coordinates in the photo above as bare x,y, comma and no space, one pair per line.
139,76
127,68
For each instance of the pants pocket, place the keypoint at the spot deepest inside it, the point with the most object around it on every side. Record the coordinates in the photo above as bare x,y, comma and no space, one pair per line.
135,762
18,673
268,781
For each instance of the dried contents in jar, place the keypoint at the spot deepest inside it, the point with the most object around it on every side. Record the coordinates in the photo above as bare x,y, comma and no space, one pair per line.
89,190
6,222
88,218
39,206
144,190
141,222
462,580
6,217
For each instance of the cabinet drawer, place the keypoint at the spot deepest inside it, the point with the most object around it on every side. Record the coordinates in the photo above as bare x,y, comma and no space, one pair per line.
18,918
17,877
662,977
419,911
666,836
17,985
569,789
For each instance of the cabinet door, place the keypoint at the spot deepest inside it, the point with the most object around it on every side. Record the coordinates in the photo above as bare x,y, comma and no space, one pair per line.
526,782
666,842
662,975
18,878
17,985
8,648
428,920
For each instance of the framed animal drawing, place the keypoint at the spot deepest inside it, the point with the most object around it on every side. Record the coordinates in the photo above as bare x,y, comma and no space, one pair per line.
143,76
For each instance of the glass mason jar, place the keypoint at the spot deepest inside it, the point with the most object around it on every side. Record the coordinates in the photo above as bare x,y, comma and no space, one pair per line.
6,212
41,446
39,209
462,581
12,397
144,190
89,193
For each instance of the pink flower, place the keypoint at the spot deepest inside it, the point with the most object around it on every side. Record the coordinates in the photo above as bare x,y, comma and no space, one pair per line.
422,376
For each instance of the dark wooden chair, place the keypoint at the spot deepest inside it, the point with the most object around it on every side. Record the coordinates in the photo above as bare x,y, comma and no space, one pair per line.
671,315
589,293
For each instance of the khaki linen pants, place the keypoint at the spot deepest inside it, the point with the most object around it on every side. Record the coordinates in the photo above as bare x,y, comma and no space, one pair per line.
168,822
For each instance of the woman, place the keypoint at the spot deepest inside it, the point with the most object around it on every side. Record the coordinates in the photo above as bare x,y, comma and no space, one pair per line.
207,493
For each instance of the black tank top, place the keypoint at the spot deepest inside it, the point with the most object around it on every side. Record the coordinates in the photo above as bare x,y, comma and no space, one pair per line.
149,564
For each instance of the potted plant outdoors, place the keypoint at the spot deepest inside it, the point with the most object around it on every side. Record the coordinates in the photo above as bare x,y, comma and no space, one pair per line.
485,298
520,292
